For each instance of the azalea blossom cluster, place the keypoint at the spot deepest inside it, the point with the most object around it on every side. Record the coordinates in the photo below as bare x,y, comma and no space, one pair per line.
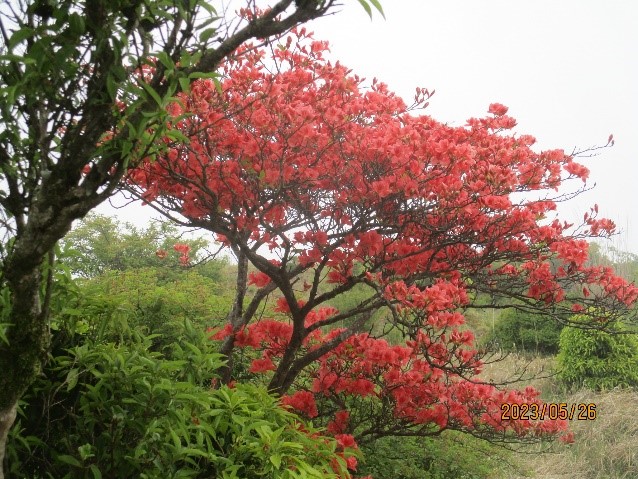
327,184
431,380
182,249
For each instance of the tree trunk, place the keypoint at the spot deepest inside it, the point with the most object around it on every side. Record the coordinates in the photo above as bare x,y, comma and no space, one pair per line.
7,417
235,316
279,384
28,336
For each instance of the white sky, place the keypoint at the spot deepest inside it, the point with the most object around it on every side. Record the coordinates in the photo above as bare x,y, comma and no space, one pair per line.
564,68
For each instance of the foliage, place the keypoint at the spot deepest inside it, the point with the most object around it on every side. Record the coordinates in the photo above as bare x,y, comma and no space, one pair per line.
122,411
100,243
598,359
448,456
152,301
5,307
520,331
349,190
115,304
624,262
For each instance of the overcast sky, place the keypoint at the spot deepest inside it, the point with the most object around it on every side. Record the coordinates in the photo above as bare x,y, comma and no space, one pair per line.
567,69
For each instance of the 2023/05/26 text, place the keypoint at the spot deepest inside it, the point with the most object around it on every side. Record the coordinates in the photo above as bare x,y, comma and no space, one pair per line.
551,411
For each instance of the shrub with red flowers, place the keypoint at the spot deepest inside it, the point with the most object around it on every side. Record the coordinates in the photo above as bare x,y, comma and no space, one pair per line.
325,183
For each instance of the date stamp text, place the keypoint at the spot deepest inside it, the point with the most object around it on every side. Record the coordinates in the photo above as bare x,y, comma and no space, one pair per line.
551,411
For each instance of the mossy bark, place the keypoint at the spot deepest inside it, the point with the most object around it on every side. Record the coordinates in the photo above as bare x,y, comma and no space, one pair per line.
28,336
28,332
7,417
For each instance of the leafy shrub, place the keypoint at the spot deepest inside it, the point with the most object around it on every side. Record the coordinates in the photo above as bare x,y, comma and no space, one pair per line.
150,301
451,455
524,332
122,411
598,359
98,244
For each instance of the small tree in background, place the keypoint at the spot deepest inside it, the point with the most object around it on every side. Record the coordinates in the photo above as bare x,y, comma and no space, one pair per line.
99,244
524,332
324,184
598,359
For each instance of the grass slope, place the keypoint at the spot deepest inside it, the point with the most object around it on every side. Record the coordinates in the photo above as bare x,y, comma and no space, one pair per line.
605,448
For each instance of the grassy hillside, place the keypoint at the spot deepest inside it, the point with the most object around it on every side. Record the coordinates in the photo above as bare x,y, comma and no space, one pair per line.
606,448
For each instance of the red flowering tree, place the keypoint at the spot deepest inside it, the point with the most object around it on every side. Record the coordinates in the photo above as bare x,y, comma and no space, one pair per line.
324,183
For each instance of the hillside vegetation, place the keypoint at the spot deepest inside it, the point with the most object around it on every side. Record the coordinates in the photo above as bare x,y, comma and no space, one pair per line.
126,309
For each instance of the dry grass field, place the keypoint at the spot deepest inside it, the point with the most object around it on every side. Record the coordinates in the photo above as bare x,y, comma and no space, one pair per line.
605,448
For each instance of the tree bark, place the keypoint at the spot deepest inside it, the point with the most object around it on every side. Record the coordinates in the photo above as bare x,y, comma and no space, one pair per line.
235,316
21,359
7,417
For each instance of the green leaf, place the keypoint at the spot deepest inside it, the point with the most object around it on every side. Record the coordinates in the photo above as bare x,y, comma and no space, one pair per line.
111,86
72,379
10,92
196,75
206,34
19,36
195,452
76,24
378,6
18,58
176,440
276,460
210,10
152,93
185,84
177,135
3,333
86,451
96,472
366,7
66,459
165,60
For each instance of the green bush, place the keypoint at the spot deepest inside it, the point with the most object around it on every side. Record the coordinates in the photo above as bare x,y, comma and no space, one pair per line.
598,360
452,455
518,331
120,411
98,244
150,301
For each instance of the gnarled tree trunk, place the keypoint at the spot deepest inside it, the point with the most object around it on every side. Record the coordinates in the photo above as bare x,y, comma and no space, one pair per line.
21,359
7,417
